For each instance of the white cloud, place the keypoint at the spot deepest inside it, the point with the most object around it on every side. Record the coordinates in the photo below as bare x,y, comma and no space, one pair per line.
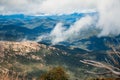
20,6
67,6
108,10
46,6
59,33
109,15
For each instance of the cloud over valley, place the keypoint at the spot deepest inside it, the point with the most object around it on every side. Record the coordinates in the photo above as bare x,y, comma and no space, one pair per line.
107,14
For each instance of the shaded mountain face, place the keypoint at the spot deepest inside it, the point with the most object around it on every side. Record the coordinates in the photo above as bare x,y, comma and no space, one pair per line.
31,27
23,27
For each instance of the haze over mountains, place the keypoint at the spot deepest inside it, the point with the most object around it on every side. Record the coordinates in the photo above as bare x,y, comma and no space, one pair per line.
36,35
73,30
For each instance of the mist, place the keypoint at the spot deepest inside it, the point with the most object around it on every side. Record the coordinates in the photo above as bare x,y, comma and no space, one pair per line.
108,12
109,15
60,33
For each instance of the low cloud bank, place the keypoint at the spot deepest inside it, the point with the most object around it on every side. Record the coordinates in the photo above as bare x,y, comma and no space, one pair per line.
60,33
37,7
108,11
107,21
109,15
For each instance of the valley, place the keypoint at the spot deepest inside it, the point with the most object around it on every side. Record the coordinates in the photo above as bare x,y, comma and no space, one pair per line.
27,47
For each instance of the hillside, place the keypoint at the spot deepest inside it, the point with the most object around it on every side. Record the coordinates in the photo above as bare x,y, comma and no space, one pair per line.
26,44
33,58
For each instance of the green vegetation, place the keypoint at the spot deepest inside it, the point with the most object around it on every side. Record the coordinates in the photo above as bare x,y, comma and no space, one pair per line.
35,65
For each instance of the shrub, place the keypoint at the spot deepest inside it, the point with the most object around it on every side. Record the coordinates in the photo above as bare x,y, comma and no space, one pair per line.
56,73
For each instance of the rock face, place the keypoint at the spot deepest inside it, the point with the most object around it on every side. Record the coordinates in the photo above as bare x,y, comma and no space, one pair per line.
19,47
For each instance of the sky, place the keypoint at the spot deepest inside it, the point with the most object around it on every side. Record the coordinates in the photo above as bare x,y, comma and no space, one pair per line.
46,6
108,10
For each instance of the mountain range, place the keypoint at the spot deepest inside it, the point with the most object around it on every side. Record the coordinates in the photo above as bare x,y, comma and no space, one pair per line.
21,27
21,48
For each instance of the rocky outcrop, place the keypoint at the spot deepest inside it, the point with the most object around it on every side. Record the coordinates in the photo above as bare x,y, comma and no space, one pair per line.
22,47
19,47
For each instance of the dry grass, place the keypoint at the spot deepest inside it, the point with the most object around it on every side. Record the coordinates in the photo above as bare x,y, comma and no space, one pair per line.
8,77
12,76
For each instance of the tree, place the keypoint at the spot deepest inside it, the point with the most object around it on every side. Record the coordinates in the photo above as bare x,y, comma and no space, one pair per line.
112,64
56,73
